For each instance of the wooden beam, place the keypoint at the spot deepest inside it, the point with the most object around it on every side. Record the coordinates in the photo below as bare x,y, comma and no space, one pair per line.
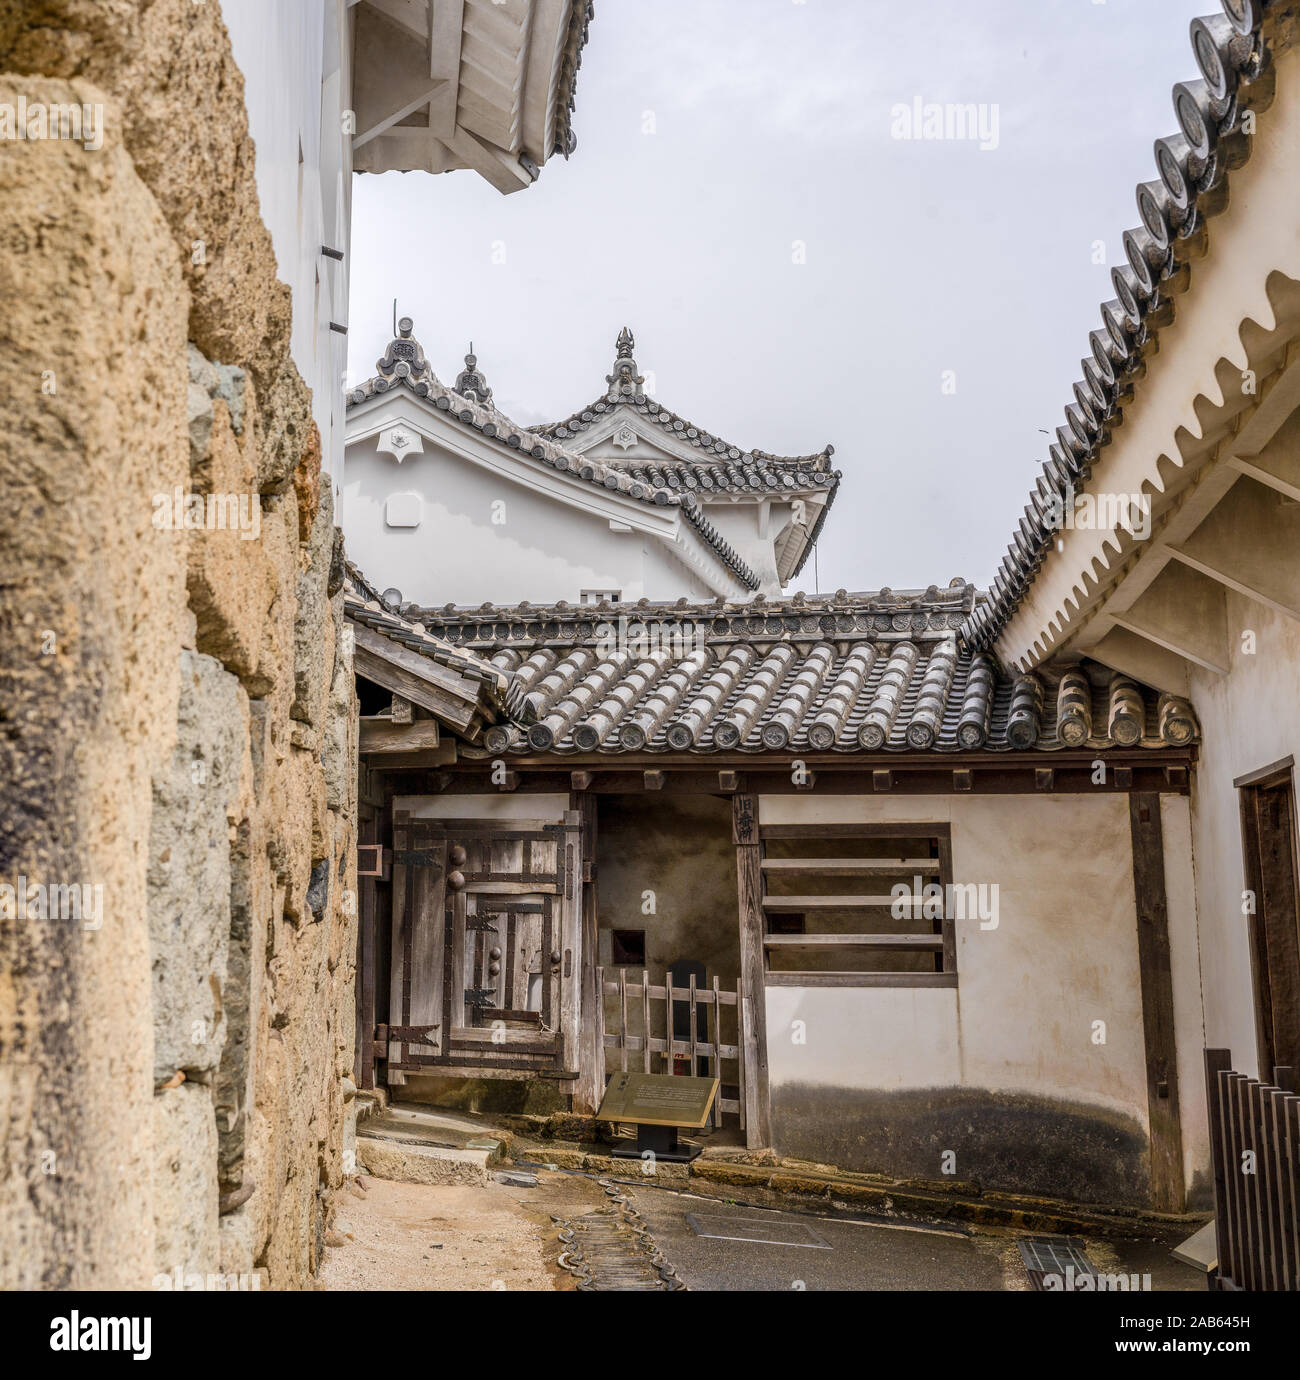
963,779
591,1052
398,113
1044,778
806,780
1124,778
729,782
403,711
753,1014
381,735
454,704
1155,972
654,780
882,780
580,780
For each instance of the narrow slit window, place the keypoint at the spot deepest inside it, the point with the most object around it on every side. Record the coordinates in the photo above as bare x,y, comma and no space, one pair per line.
858,905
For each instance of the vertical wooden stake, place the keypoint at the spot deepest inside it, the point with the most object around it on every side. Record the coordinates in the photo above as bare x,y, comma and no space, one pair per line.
749,884
1167,1181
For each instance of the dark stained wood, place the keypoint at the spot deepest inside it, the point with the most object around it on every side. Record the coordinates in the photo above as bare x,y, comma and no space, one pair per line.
381,735
405,680
842,774
945,880
579,780
882,779
1168,1190
878,829
749,883
861,979
591,1054
1045,778
963,779
654,780
1218,1061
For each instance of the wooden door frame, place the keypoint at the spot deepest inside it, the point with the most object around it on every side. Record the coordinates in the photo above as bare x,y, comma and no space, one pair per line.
1278,774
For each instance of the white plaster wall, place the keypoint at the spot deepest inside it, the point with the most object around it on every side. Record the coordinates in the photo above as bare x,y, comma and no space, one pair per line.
663,577
1064,955
1250,718
294,56
542,550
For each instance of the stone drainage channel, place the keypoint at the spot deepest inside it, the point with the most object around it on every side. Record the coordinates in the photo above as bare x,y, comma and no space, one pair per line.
611,1251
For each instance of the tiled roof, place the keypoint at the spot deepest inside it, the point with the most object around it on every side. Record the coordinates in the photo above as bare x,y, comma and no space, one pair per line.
1213,114
843,673
579,30
404,365
721,467
362,605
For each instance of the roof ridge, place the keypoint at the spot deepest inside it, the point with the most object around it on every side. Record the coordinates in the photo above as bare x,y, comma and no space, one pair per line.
626,388
404,363
1215,116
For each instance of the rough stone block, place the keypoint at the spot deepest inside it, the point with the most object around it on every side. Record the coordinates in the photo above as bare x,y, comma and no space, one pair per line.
189,867
421,1164
186,1235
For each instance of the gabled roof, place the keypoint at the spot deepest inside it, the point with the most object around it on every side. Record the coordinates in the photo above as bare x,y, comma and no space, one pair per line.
721,467
403,365
481,84
474,693
843,673
1216,116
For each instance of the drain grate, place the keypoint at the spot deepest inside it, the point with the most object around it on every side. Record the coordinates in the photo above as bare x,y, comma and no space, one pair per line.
611,1251
1061,1257
759,1231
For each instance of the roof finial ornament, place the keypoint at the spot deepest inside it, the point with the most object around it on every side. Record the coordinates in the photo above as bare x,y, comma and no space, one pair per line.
470,383
625,382
404,358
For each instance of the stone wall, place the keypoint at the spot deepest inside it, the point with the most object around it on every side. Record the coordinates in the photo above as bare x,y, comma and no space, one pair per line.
177,726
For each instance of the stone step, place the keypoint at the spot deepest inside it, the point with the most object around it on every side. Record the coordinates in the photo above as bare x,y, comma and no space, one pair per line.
407,1161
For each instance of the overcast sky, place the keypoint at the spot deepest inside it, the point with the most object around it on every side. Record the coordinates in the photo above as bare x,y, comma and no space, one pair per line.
717,136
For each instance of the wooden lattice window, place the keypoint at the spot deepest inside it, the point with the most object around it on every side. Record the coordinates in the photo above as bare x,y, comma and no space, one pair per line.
858,905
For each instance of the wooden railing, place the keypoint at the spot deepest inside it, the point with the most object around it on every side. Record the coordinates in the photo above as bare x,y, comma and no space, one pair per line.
636,1011
1255,1152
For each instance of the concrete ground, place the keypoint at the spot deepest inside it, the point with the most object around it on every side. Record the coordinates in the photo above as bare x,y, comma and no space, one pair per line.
499,1236
836,1255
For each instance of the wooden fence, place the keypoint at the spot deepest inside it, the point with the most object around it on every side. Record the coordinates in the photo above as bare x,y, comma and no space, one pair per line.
637,998
1255,1151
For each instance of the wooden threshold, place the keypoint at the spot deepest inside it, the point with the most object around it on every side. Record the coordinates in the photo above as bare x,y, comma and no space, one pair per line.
917,942
860,979
850,867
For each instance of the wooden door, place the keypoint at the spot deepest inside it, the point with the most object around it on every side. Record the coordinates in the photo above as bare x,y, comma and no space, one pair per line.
415,994
508,959
1269,835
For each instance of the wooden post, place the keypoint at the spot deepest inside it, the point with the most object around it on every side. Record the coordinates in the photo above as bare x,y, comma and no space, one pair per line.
1167,1182
1217,1060
749,885
591,1052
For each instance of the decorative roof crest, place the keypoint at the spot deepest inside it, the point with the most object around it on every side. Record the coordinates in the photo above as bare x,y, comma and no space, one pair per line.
404,357
625,382
470,383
